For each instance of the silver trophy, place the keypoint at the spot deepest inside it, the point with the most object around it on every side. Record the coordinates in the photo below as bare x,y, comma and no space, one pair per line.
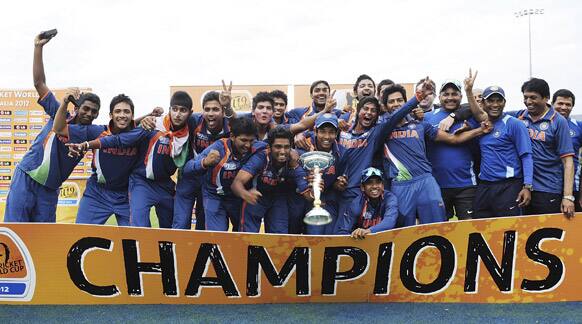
317,162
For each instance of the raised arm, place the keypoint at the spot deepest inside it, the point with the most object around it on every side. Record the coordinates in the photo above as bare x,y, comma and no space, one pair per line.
476,110
225,99
60,120
463,136
38,67
308,122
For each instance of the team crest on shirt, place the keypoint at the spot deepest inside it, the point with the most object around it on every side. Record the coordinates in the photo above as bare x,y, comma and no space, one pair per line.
544,125
368,215
229,166
496,134
411,126
572,133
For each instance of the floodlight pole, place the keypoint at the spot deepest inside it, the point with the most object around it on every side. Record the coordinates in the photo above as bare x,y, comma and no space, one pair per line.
529,13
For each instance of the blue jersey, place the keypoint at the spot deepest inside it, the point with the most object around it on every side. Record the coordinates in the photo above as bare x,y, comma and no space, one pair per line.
201,136
363,214
154,161
219,178
405,150
452,165
111,167
47,161
502,150
295,115
268,178
576,135
550,139
361,147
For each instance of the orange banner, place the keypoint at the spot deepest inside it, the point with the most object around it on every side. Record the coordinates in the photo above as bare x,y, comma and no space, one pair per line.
517,259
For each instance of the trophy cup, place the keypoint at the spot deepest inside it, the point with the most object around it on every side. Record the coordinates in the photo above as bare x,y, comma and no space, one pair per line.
317,161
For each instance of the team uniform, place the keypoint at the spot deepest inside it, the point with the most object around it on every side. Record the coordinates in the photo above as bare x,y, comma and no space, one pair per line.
295,115
363,214
220,203
411,173
275,183
189,188
329,197
34,189
160,153
506,165
453,168
551,141
359,153
106,190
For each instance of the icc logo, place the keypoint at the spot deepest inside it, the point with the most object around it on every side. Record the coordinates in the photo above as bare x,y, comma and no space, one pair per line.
496,134
17,274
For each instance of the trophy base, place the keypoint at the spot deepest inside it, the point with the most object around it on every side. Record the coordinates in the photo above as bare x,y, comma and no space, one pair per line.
317,216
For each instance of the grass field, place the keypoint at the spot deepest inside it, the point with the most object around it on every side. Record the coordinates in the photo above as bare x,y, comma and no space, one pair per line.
288,313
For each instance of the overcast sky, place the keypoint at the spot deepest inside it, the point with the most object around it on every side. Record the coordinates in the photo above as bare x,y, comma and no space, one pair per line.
140,49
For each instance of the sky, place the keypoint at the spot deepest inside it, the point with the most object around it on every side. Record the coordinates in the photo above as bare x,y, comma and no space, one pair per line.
141,48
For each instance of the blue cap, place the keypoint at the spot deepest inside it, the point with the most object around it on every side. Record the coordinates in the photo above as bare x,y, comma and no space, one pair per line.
489,91
326,118
455,84
370,172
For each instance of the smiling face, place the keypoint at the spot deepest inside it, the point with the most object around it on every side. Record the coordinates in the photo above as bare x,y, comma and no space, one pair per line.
365,88
179,116
319,94
279,108
213,114
564,105
535,103
325,137
394,102
280,150
121,115
450,98
242,143
87,112
493,106
368,115
373,188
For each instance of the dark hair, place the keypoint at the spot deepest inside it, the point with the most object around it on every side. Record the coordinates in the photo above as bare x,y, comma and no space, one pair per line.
121,98
564,93
279,132
383,83
279,94
316,83
361,78
181,98
364,101
262,96
393,89
242,126
210,96
88,96
421,81
539,86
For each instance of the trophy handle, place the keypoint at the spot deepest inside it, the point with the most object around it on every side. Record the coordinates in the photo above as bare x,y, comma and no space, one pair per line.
316,189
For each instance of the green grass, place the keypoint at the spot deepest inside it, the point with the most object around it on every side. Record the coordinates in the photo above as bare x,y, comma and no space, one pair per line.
153,219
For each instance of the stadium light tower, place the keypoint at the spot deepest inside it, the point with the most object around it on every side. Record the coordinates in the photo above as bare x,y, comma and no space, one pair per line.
529,13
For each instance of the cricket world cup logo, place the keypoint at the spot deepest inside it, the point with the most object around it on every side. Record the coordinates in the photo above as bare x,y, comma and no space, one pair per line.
17,275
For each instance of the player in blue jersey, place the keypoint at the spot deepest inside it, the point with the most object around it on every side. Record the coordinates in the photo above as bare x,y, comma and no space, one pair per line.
408,167
552,149
366,138
319,92
265,181
506,175
324,139
372,211
219,163
563,102
279,107
34,189
453,165
363,87
205,129
160,153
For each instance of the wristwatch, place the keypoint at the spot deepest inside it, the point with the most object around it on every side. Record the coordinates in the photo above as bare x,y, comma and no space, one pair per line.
570,198
528,187
452,115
